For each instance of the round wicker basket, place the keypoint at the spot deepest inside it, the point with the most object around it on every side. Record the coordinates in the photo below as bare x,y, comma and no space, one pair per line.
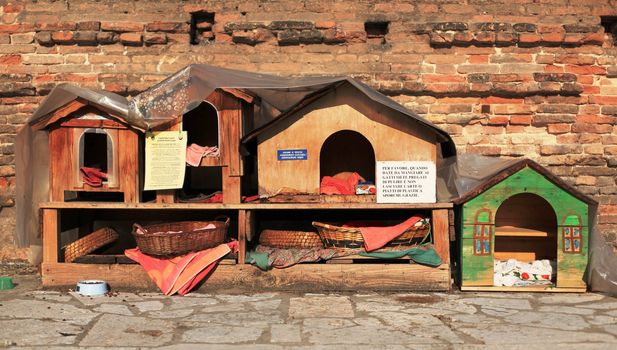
284,239
350,237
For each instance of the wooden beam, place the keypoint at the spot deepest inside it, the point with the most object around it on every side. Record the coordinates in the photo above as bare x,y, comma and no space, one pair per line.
50,235
441,237
242,227
246,206
303,277
548,288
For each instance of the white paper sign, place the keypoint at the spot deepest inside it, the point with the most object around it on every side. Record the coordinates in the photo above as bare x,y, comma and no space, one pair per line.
406,182
165,160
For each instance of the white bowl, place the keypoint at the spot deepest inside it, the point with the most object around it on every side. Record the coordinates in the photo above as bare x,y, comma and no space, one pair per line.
92,287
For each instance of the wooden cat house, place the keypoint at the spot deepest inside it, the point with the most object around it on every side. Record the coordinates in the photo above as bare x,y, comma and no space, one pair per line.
93,153
341,129
521,216
218,121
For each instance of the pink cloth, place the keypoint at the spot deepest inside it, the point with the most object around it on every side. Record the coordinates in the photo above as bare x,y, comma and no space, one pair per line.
92,176
331,185
182,273
195,152
377,237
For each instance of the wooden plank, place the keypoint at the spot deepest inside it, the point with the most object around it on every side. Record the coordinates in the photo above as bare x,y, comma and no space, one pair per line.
242,228
128,171
58,114
250,225
441,234
93,123
231,187
260,206
303,277
50,235
61,162
548,289
229,259
512,231
520,256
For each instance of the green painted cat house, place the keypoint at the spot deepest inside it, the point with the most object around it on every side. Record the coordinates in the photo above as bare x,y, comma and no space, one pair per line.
526,213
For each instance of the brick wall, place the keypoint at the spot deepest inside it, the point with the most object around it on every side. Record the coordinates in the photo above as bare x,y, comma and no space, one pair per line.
511,78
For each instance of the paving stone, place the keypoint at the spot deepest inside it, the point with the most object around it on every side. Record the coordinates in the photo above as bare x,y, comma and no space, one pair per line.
152,305
446,307
179,302
468,319
114,330
601,306
611,328
529,335
224,308
598,320
498,311
189,346
32,332
499,295
422,325
507,303
244,318
548,320
565,310
373,305
38,309
170,313
150,295
106,299
266,304
246,298
285,333
50,295
223,334
117,309
358,333
320,306
570,298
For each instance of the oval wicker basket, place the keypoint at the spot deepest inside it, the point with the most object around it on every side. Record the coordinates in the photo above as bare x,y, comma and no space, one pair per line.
350,237
89,243
284,239
177,238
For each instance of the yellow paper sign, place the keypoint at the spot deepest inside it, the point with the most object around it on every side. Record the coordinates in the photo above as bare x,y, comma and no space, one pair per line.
165,160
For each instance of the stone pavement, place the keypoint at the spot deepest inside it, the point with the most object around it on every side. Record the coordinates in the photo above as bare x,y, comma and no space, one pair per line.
35,318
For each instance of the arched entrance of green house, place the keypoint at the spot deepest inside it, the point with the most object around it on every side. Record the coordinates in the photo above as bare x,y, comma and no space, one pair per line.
525,229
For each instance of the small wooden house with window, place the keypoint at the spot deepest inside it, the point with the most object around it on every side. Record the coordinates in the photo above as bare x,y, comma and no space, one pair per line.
94,153
341,129
215,125
524,229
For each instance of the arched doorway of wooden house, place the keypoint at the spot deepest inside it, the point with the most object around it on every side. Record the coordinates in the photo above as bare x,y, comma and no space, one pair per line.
96,151
202,126
526,229
347,151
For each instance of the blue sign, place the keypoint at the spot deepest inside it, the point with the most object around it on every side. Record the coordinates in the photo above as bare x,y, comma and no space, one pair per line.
291,154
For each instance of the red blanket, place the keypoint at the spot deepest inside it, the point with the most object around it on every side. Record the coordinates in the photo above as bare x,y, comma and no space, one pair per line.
182,273
92,176
377,237
332,185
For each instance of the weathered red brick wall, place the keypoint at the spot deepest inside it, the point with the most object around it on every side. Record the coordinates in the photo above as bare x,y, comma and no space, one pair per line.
511,78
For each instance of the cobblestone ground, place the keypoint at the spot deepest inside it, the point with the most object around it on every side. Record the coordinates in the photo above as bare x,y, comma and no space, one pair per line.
34,318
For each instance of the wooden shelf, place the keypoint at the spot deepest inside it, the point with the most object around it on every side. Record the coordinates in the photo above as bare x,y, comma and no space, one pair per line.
511,231
241,206
210,161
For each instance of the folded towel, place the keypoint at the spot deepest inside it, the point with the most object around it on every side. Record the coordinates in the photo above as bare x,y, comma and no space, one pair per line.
92,176
337,185
376,237
182,273
195,152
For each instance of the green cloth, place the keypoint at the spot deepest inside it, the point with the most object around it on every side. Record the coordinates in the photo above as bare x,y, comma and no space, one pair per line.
425,255
259,259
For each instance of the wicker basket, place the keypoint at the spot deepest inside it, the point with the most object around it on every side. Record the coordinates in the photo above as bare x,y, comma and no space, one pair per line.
177,238
284,239
350,237
89,243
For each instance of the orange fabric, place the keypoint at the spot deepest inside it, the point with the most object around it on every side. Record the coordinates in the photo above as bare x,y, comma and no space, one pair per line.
331,185
92,176
180,274
376,237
